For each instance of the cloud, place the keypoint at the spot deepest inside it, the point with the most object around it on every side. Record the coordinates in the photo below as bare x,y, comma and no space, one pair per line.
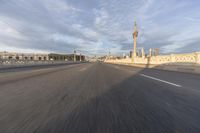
99,26
59,6
7,31
101,17
171,48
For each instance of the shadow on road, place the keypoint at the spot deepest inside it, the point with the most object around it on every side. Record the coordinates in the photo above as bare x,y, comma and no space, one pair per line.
125,108
140,107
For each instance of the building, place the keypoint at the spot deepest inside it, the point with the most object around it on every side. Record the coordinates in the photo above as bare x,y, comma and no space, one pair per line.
66,57
22,56
40,57
53,56
131,53
156,52
140,53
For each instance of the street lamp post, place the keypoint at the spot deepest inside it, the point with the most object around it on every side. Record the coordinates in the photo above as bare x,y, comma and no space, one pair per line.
74,55
80,57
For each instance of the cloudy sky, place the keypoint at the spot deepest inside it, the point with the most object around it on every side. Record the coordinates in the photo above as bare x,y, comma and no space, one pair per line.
97,26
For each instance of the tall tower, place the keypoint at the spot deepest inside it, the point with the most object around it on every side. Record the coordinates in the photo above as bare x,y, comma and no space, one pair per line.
135,35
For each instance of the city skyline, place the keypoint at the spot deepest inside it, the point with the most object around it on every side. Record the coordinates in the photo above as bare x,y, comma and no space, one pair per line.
98,26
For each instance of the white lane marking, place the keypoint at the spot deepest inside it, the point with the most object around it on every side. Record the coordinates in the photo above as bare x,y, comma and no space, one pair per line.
117,67
39,70
127,70
177,85
83,69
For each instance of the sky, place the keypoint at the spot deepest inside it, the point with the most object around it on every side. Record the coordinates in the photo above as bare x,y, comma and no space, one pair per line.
96,27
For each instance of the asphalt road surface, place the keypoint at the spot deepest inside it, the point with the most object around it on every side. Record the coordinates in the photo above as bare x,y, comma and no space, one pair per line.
99,98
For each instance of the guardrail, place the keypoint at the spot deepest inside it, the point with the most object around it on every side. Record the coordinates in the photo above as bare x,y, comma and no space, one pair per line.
18,63
193,58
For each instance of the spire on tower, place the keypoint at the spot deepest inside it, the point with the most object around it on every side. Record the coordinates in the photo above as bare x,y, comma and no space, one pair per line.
135,26
135,33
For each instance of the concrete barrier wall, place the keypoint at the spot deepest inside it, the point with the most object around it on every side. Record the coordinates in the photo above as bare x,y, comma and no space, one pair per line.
22,63
22,56
189,62
187,68
163,59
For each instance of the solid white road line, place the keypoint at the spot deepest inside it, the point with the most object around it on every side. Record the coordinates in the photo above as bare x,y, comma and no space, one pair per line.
177,85
117,67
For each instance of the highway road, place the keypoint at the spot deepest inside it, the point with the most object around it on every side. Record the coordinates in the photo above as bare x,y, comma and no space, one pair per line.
99,98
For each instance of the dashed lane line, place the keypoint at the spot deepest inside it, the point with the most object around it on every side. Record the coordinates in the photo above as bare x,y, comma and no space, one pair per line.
83,69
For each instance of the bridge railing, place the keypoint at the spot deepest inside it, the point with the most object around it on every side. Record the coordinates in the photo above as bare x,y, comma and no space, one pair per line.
10,63
192,58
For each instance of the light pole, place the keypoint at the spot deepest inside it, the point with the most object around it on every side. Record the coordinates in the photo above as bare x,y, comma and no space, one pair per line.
74,55
109,54
80,57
